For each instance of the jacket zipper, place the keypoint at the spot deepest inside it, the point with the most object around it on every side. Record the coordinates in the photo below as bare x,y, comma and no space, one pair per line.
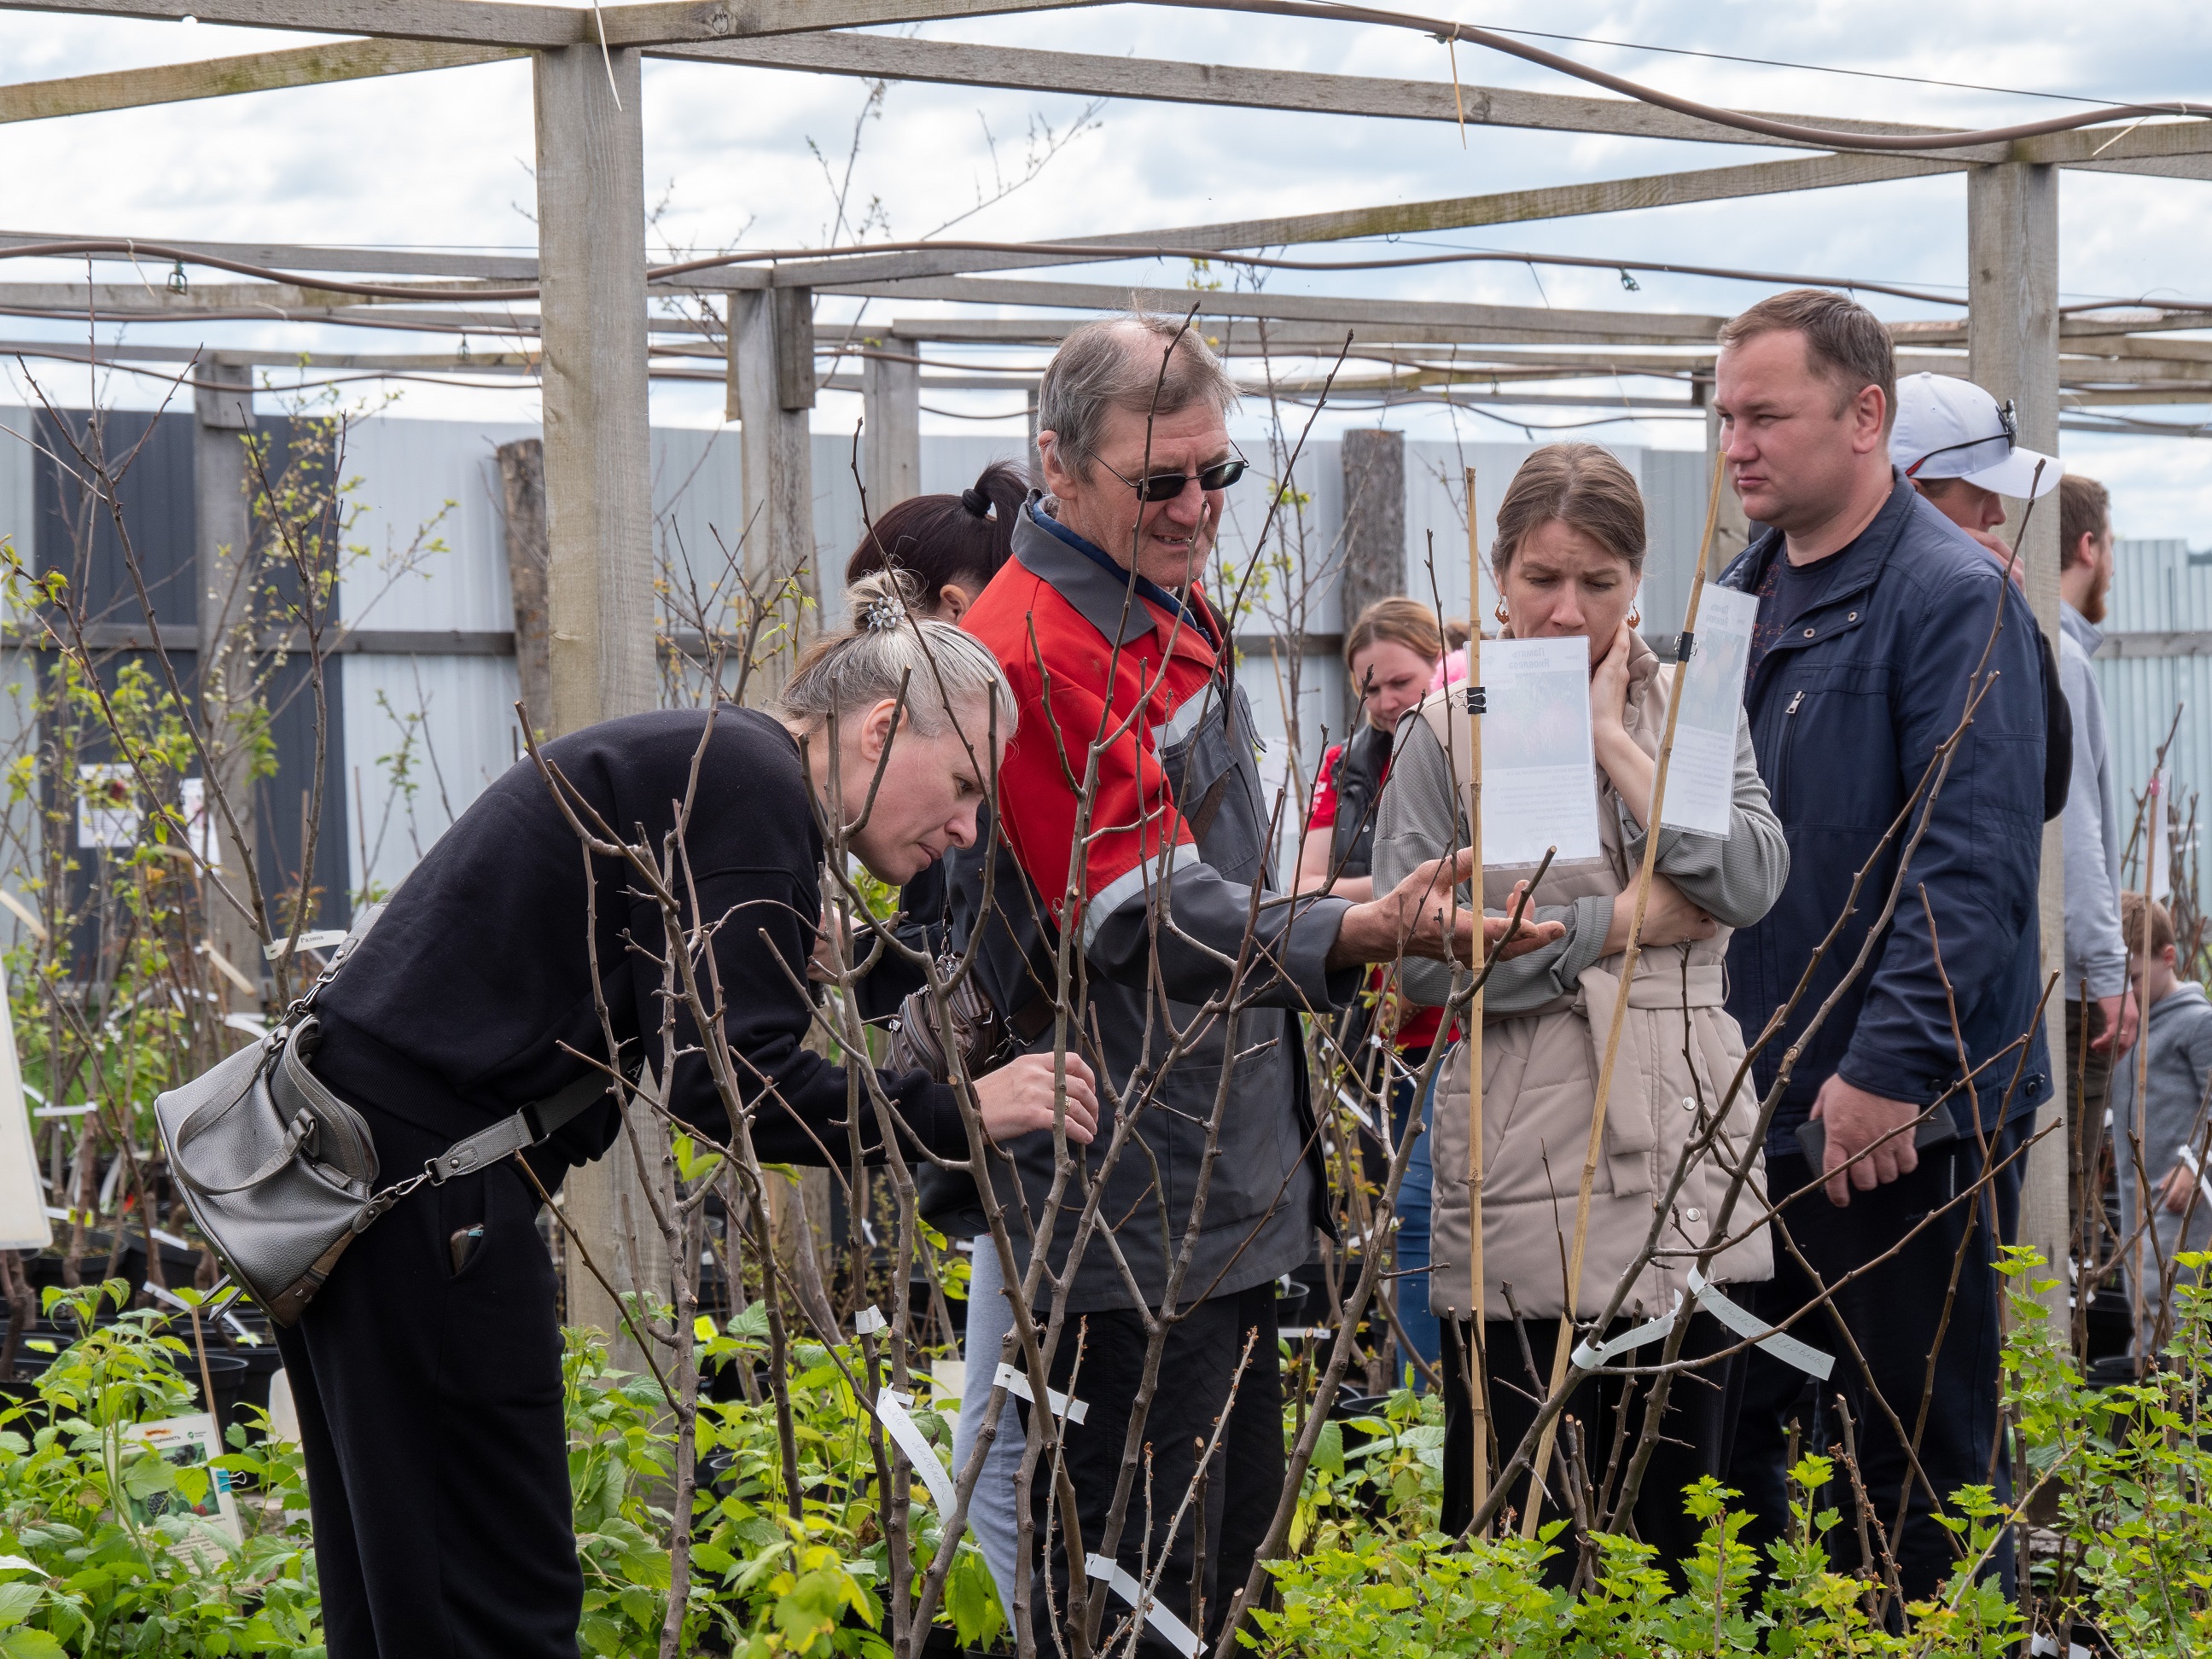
1782,760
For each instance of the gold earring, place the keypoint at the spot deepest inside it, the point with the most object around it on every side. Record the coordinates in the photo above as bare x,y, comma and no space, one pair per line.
1499,611
1634,615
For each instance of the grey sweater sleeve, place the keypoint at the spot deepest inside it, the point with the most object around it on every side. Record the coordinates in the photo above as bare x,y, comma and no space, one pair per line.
1737,878
2094,949
1419,819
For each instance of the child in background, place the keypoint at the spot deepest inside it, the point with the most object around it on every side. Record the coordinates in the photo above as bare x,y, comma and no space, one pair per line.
2159,1150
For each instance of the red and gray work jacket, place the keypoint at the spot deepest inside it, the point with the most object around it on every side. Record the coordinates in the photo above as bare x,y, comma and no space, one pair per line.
1126,703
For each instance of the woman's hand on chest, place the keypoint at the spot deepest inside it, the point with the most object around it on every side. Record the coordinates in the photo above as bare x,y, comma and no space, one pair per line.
1618,756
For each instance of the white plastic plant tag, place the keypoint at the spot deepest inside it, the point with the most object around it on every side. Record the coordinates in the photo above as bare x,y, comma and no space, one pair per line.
1014,1382
891,1413
1538,768
1588,1359
1701,776
2187,1154
1783,1346
23,1223
869,1319
1172,1629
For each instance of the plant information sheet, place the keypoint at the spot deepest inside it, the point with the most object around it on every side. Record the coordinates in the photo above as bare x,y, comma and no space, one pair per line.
1539,766
1701,777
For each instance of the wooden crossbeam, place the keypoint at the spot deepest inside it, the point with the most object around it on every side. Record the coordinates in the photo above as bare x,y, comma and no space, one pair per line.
1817,172
221,78
510,23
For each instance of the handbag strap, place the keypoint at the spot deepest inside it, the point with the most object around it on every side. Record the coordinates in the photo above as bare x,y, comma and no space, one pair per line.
537,1121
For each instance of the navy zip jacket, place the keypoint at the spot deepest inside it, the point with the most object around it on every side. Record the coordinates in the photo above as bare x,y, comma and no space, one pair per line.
1847,709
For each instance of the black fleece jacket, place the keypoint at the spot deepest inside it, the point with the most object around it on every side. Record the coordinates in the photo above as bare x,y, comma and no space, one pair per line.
452,1013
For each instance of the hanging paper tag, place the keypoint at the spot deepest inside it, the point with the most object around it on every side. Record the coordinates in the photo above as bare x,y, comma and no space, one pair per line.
1784,1348
891,1413
1172,1629
1588,1359
1014,1382
869,1319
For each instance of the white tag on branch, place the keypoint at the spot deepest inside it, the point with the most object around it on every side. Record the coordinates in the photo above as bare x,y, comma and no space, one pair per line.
1784,1348
891,1413
2041,1645
2187,1154
1588,1359
869,1319
1171,1629
1014,1382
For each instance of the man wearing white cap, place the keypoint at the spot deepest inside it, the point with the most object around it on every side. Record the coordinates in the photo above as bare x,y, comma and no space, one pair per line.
1963,452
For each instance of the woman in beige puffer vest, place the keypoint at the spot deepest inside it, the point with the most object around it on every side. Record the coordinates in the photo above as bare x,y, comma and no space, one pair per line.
1567,560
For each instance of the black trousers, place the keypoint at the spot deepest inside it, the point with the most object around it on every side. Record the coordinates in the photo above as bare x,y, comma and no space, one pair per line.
1896,1313
430,1413
1243,1480
1695,1427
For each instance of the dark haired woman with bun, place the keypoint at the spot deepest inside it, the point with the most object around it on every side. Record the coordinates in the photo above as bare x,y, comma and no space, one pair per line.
950,545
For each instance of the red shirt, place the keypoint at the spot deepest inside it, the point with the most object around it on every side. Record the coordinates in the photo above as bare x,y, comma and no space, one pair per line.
1121,703
1422,1024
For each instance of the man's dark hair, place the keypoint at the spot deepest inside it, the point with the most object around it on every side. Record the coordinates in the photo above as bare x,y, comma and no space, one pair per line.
2085,509
1845,342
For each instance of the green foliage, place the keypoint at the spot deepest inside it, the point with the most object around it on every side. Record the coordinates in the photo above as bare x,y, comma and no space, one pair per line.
79,1573
771,1576
2132,1468
1425,1597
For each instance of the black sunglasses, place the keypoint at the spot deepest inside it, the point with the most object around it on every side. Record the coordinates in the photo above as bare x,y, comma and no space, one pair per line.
2008,422
1166,486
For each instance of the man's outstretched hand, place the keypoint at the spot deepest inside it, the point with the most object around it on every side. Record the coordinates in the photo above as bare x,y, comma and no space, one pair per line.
1420,917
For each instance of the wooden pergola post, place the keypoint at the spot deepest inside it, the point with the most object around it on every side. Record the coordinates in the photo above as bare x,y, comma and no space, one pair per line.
772,374
2012,344
223,529
598,502
890,431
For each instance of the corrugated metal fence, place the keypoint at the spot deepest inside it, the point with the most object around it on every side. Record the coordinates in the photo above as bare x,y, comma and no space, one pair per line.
2161,607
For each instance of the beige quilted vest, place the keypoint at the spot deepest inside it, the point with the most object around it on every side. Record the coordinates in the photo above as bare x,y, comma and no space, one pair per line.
1679,1049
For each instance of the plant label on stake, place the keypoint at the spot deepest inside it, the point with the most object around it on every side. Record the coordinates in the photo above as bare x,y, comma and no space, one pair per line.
1701,784
1539,764
188,1442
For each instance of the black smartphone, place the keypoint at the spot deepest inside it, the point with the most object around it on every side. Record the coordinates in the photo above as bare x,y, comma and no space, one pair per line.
463,1245
1938,1128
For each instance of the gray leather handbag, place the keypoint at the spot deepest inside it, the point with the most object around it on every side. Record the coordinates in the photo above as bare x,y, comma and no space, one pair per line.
280,1174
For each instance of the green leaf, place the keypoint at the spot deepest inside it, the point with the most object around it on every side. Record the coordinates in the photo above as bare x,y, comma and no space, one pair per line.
18,1602
1328,1449
31,1644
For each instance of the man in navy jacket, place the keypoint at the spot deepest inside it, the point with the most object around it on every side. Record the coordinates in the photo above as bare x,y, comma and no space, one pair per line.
1875,614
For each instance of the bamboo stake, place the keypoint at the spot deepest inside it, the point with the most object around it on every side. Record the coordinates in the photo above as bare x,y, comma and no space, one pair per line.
2143,1187
1478,1368
1566,1342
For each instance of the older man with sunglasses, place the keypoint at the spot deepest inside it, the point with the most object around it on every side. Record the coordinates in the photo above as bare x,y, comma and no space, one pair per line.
1132,825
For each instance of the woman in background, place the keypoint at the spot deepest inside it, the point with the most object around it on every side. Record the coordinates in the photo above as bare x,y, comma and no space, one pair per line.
1393,652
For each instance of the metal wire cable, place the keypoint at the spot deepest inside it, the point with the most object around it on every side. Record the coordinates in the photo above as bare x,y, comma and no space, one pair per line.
1444,29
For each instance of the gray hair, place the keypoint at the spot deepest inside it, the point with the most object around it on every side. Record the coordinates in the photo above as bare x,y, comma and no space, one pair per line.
889,645
1117,362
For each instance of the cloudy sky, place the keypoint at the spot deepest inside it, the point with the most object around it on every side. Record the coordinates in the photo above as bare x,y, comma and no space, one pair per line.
750,157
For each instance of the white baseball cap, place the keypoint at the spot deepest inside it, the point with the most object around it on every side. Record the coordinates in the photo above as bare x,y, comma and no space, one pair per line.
1947,427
